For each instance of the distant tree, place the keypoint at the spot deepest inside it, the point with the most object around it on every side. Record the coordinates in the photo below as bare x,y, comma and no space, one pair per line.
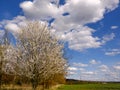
38,54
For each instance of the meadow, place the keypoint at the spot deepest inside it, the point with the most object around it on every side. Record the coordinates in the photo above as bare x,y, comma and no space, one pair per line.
91,86
108,86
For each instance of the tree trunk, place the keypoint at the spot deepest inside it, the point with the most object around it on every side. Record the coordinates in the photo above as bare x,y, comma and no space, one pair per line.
0,81
46,85
34,84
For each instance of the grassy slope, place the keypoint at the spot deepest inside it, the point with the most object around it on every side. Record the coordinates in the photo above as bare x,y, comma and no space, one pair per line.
110,86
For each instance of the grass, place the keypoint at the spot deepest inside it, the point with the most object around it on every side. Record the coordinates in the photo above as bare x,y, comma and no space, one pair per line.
110,86
25,87
16,87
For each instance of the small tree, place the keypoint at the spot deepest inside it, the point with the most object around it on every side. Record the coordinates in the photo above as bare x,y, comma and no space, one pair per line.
38,54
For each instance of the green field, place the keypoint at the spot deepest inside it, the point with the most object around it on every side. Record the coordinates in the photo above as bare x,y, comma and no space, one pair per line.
110,86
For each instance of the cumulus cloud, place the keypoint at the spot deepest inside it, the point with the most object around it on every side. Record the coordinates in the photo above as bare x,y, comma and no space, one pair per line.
110,4
16,20
108,37
71,27
104,68
116,67
93,61
112,52
71,73
102,73
114,27
72,68
14,25
81,37
39,9
88,73
81,69
44,8
80,64
79,15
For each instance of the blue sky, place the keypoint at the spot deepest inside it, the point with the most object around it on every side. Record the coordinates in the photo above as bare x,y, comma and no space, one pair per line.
90,29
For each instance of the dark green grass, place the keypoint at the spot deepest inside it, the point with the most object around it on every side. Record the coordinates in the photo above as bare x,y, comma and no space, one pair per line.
110,86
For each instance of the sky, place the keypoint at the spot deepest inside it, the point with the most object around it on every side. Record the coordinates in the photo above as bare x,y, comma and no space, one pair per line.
89,28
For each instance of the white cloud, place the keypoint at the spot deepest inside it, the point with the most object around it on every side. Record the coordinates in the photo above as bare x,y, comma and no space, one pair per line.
86,15
82,37
104,68
44,8
27,5
13,25
71,73
116,67
39,9
72,68
113,52
94,62
81,69
102,73
114,27
88,73
14,20
108,37
80,64
110,4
